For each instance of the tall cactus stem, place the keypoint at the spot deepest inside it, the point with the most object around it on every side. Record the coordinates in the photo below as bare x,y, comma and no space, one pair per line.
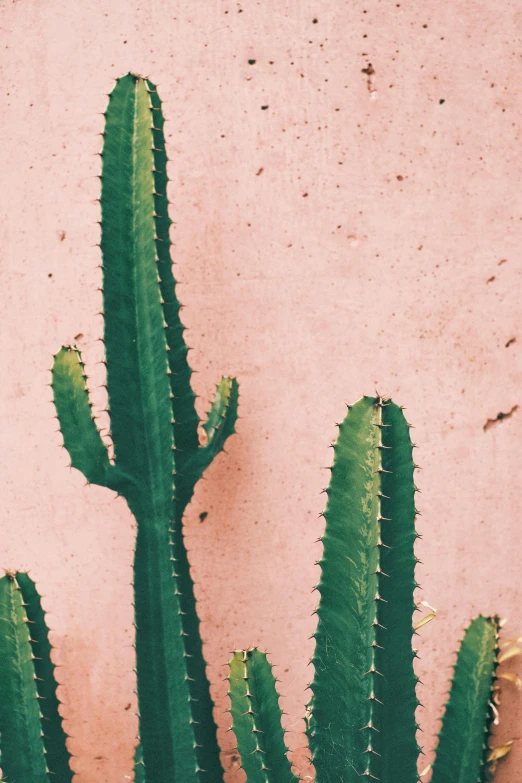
154,428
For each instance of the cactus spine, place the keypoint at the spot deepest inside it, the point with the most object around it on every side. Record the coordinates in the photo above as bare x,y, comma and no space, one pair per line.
154,427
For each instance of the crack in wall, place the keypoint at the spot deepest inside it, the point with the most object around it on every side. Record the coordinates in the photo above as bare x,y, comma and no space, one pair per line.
500,417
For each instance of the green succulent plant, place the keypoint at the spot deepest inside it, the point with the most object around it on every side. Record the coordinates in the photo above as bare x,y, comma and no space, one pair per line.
361,717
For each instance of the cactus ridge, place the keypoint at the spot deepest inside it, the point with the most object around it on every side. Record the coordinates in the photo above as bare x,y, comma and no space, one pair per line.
139,767
396,583
185,418
191,458
23,749
54,736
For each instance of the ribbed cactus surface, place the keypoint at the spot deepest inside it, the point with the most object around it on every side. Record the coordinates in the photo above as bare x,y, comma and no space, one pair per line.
158,457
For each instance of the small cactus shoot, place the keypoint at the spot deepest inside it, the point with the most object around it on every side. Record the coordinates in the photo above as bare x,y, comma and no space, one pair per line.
463,749
256,719
32,740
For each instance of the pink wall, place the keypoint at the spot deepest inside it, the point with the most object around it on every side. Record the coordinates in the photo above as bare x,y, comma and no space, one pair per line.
361,232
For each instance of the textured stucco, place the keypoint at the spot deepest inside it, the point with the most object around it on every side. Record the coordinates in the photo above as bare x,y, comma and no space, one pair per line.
361,232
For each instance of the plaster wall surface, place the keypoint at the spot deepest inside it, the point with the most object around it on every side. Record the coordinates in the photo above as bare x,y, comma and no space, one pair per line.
347,217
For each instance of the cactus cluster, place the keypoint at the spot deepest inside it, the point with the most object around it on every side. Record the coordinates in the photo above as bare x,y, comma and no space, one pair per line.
361,718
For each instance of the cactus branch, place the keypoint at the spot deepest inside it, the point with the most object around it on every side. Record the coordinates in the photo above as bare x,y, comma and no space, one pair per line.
363,705
135,343
80,434
463,739
219,426
221,419
256,719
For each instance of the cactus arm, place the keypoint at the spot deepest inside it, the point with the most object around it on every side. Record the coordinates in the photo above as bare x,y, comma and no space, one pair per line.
80,434
58,757
23,750
351,706
141,423
222,416
219,426
463,748
186,439
256,719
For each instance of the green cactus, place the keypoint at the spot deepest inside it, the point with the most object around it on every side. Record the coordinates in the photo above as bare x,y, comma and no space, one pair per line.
32,740
361,718
158,457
